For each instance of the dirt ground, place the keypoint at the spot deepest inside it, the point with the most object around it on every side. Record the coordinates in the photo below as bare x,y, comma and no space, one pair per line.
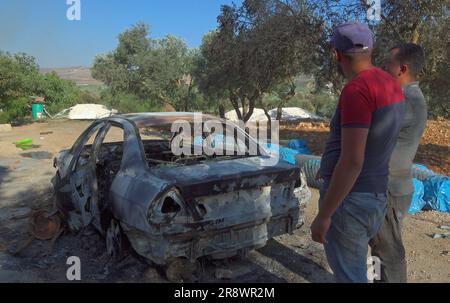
25,185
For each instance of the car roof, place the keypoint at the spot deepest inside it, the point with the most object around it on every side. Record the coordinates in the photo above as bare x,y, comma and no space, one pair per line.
164,118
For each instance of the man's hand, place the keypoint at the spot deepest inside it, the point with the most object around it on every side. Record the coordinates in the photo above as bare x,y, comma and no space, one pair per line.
319,228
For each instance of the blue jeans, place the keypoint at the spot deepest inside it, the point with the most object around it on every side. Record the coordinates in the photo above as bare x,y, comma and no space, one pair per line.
357,220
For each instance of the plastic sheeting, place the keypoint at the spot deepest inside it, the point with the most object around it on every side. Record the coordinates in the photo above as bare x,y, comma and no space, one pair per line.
431,191
86,112
295,147
285,153
417,202
437,193
422,172
300,146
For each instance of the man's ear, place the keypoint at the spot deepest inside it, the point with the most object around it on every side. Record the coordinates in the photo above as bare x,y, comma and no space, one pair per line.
403,68
337,55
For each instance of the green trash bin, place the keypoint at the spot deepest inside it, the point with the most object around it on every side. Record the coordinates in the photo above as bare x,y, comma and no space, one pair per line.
37,109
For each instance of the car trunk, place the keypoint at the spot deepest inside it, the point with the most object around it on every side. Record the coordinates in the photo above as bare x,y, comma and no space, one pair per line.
221,176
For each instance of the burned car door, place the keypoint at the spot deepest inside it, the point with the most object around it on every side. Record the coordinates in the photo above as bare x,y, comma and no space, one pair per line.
107,153
82,182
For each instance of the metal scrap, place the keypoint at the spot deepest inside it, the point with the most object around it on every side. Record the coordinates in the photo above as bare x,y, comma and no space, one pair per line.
42,226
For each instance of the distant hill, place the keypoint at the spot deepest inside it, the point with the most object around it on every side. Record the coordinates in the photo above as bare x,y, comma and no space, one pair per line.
78,74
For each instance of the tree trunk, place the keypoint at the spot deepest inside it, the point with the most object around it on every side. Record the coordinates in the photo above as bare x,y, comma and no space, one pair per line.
221,111
415,36
251,107
269,125
279,112
188,97
234,102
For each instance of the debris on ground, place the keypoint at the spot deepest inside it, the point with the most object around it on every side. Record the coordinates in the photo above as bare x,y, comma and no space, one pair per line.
152,275
223,274
438,236
42,226
86,112
181,270
24,143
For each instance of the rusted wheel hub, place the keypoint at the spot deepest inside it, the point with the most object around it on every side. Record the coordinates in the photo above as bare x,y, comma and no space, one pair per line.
43,226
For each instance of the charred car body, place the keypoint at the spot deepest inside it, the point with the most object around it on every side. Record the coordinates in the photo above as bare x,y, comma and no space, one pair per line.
170,206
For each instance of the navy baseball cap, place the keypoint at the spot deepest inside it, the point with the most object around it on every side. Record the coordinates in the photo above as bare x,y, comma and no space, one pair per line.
352,37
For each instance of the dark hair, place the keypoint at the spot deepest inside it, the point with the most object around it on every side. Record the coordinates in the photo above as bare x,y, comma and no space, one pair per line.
412,55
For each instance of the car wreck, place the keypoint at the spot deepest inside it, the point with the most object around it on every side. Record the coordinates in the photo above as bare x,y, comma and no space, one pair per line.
133,189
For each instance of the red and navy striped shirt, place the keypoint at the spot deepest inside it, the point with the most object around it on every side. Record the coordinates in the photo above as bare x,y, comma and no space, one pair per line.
374,100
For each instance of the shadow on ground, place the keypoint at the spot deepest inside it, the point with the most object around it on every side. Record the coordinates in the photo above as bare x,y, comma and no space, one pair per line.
295,262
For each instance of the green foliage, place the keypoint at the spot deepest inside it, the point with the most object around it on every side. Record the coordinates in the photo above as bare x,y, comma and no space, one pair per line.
258,48
88,97
58,93
20,80
17,73
4,117
322,104
422,21
92,88
129,103
150,69
14,110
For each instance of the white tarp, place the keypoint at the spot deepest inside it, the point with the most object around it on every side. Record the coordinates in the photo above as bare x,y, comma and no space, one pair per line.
258,115
288,114
293,114
86,112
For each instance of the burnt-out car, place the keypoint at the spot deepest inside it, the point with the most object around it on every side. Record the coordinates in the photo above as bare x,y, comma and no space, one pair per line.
122,176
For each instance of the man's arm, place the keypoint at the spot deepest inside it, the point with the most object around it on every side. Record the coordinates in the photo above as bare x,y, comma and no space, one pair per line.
344,177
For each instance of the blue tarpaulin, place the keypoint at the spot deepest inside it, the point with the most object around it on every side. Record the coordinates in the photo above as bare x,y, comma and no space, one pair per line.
300,146
437,193
285,153
432,192
417,202
295,147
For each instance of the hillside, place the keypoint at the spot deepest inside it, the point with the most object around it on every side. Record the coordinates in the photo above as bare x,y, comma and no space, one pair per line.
80,75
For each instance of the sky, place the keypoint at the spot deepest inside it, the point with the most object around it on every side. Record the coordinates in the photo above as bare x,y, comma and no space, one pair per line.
41,28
